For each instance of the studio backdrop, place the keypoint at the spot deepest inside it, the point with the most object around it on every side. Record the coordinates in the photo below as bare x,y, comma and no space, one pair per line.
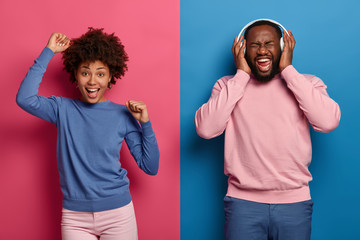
30,202
326,36
177,50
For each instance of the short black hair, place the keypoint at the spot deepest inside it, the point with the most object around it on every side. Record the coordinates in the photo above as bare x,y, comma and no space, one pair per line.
263,22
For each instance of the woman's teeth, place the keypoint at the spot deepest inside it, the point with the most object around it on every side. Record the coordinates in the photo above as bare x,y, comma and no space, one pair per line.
92,90
92,93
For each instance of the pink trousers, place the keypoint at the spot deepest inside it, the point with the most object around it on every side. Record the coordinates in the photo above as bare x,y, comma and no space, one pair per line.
115,224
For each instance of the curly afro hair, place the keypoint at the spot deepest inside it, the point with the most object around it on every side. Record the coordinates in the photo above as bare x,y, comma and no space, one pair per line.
96,45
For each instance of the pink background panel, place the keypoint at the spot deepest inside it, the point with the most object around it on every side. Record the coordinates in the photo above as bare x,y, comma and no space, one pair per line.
30,202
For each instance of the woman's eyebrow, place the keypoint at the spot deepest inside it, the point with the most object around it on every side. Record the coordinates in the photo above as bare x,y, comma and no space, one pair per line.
96,69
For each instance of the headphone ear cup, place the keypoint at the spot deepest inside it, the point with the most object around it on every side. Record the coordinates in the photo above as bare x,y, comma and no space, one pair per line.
282,44
241,46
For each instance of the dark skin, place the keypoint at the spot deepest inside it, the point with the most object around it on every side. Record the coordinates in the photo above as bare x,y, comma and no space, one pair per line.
263,43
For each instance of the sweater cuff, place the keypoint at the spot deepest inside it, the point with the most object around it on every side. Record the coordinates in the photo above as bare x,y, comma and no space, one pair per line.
45,57
147,128
242,74
241,77
289,73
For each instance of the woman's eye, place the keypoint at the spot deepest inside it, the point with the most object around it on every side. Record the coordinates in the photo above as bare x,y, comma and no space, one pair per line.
84,74
101,74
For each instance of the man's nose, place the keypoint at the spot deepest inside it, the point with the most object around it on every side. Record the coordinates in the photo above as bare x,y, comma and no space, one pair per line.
262,50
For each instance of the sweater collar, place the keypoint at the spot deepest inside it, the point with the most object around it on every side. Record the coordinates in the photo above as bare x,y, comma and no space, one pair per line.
275,78
92,105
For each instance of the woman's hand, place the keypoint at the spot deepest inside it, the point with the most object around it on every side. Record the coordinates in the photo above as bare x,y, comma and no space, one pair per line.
138,110
58,42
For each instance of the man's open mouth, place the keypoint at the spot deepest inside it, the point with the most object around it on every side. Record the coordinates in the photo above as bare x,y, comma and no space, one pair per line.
264,64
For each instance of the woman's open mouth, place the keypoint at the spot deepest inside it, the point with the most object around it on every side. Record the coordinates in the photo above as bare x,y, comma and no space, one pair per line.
92,92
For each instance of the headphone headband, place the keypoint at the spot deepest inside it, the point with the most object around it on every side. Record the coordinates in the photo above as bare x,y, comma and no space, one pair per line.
258,20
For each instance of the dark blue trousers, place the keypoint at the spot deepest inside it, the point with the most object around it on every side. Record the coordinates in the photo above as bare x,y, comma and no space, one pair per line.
246,220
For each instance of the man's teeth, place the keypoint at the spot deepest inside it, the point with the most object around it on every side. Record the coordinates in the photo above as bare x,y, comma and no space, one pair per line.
263,60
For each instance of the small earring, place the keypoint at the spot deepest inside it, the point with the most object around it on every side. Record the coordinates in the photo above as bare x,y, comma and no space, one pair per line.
109,85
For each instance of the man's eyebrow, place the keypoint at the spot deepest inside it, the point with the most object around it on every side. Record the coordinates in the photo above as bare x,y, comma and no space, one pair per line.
270,41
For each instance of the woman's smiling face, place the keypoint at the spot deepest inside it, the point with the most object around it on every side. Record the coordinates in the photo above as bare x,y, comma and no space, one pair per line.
93,80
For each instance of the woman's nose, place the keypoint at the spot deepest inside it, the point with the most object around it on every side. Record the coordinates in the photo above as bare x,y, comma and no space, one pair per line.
91,80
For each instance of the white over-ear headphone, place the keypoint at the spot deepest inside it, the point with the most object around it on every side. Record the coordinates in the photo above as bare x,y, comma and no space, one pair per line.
268,20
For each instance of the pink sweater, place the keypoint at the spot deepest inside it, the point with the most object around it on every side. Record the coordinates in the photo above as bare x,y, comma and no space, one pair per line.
267,137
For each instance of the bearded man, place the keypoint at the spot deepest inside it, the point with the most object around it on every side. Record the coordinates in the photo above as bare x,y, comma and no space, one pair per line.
266,110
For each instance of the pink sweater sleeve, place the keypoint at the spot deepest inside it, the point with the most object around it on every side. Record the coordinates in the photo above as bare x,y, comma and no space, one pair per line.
211,118
322,112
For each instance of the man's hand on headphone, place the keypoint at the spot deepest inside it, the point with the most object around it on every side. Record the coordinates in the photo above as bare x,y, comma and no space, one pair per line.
287,53
239,56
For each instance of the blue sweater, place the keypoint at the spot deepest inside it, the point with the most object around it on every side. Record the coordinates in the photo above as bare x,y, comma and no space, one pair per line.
89,139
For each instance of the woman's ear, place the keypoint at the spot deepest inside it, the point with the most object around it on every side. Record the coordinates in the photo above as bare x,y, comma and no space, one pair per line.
109,83
75,82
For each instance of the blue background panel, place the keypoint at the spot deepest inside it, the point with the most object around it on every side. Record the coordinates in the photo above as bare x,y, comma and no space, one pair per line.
327,45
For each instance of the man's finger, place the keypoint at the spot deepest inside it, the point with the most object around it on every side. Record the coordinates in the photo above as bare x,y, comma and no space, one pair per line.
234,46
292,39
286,40
237,47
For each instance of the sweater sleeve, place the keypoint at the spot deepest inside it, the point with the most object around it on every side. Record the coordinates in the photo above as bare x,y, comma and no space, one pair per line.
322,112
27,97
143,146
211,118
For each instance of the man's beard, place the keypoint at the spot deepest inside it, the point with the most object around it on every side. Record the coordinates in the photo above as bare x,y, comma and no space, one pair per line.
257,73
